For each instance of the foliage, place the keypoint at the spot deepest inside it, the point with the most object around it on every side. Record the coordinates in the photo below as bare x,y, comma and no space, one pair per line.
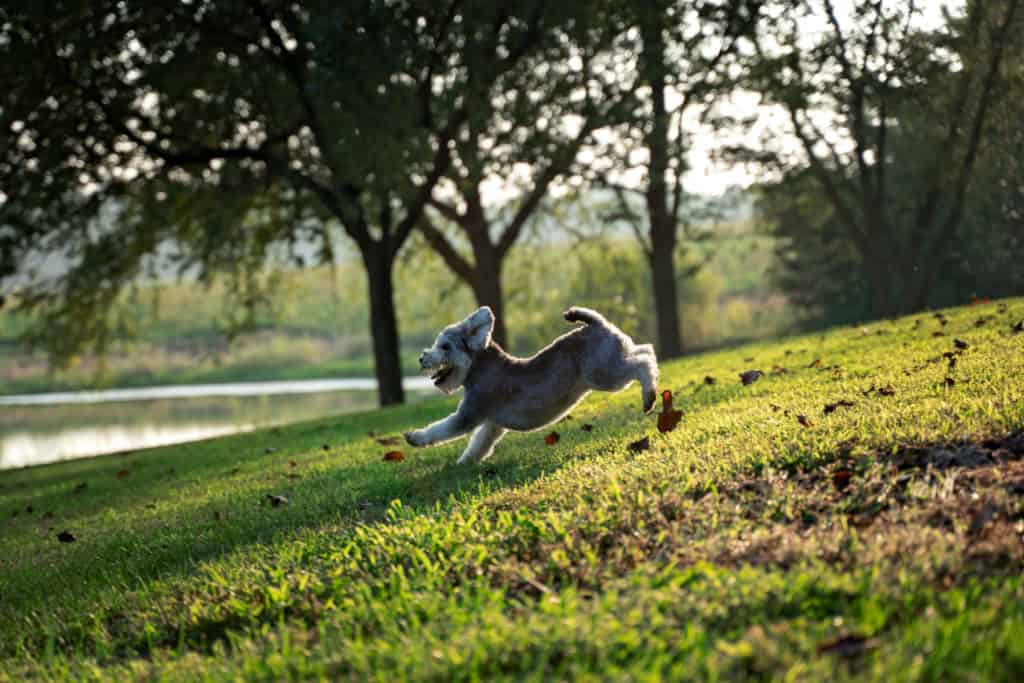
888,123
877,543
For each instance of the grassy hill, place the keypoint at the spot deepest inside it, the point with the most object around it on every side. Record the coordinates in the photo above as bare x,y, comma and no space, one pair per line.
776,533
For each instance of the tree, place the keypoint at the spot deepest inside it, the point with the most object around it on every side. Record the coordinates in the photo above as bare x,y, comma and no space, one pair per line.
526,123
685,60
889,117
223,128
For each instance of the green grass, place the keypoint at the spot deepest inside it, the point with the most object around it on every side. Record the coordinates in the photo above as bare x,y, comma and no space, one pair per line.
725,551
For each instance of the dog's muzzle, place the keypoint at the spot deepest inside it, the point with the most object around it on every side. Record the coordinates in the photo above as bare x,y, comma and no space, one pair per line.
438,373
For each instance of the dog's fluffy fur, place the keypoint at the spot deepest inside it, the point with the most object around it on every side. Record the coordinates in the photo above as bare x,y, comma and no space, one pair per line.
523,394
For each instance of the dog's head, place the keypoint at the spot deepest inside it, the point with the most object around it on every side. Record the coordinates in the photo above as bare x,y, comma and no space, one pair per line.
448,361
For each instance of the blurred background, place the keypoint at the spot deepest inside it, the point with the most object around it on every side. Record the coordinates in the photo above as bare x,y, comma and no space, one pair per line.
207,209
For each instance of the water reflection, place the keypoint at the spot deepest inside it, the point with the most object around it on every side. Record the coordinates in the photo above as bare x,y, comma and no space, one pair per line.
37,434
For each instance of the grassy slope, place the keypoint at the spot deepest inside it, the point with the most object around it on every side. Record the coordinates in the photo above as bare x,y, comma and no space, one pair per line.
724,551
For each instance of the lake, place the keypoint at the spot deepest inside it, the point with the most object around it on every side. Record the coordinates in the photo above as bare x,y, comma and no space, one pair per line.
41,428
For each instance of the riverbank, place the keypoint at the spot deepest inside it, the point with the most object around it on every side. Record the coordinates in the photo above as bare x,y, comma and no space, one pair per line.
852,514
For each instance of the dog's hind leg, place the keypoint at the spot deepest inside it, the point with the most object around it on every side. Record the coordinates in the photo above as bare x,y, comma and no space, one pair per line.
481,445
643,350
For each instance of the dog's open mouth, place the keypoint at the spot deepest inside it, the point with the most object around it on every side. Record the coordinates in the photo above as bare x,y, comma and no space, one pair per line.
441,375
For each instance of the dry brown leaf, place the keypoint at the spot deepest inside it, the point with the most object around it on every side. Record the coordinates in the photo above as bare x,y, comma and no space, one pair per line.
643,444
669,417
394,456
121,474
804,420
552,438
841,403
816,363
961,344
841,478
887,390
848,645
750,376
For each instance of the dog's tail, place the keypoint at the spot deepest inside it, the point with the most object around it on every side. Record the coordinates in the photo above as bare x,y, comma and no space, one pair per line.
584,315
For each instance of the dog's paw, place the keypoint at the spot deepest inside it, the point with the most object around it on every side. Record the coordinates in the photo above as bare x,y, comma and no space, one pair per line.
415,438
649,399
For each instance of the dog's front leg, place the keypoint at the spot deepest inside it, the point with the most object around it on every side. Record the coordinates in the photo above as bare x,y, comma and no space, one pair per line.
452,427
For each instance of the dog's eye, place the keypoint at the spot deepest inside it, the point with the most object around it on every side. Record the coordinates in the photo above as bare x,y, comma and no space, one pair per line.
446,347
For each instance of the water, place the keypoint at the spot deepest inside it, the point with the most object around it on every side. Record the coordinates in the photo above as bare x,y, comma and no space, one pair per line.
41,428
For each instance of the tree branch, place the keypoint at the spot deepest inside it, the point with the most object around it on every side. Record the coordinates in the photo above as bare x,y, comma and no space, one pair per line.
439,243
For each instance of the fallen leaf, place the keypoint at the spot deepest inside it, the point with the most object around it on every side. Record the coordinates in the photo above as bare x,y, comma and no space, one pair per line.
276,500
389,441
841,403
961,344
122,474
587,427
803,419
841,478
861,521
938,334
887,390
669,417
552,438
66,537
394,456
750,376
643,444
981,519
709,380
816,363
1018,328
848,645
779,370
949,382
292,463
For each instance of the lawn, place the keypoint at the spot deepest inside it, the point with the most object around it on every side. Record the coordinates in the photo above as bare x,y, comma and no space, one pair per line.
855,513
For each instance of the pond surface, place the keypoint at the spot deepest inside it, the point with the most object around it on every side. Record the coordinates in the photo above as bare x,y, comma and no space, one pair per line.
41,428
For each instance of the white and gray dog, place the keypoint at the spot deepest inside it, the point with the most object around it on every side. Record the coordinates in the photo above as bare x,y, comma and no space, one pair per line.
523,394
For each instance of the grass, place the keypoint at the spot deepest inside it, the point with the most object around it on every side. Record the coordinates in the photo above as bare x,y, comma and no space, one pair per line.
881,542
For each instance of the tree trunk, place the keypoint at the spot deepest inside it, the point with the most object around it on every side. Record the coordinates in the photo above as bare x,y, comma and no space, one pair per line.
384,325
659,212
666,302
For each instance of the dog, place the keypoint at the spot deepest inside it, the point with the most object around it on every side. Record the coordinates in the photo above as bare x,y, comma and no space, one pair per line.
523,394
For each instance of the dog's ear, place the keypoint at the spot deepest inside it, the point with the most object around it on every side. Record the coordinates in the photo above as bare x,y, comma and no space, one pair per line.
477,328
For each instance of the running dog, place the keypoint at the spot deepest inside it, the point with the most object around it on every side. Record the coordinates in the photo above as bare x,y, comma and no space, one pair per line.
524,394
